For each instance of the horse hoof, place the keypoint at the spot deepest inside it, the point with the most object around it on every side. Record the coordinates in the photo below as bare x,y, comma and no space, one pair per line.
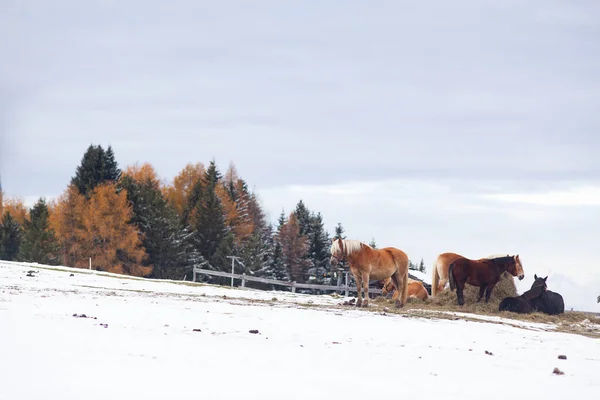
365,304
399,305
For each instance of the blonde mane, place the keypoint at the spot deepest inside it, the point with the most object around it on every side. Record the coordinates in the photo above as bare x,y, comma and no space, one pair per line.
350,246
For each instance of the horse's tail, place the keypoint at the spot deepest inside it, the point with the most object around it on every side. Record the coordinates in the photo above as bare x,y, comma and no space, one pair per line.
435,280
402,273
451,277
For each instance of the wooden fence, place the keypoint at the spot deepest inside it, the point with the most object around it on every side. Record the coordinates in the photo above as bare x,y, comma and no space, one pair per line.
346,288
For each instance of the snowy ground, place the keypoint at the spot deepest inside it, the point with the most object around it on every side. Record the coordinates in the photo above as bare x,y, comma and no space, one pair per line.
149,349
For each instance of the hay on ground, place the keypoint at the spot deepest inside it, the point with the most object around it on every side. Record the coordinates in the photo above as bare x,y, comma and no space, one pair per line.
504,288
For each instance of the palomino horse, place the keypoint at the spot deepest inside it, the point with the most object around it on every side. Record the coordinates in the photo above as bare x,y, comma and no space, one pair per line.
415,289
377,264
484,274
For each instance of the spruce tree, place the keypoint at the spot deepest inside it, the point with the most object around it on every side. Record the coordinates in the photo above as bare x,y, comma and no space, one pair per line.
207,220
372,243
339,232
10,237
318,248
303,215
97,166
422,266
39,242
163,236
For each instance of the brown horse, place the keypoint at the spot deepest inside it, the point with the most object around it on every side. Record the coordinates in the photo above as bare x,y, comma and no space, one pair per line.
483,273
377,264
415,289
439,275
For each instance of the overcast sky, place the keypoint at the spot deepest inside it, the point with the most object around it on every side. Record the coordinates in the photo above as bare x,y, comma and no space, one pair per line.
432,126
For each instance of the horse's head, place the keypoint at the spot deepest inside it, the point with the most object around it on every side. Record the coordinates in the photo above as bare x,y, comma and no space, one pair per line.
539,282
337,252
388,287
518,268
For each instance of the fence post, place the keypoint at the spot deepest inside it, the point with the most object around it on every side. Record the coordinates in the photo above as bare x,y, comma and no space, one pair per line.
194,275
244,279
294,287
347,287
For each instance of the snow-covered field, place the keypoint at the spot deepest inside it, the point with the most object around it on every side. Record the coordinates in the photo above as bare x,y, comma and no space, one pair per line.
139,340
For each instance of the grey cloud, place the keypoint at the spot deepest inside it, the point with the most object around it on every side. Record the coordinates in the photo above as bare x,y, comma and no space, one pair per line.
361,91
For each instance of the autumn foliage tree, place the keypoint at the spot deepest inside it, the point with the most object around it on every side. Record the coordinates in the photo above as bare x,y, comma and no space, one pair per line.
110,240
17,209
294,248
179,192
66,220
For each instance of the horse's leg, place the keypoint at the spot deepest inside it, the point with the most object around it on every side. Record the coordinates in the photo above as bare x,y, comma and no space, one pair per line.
365,281
488,291
358,280
459,293
397,293
481,290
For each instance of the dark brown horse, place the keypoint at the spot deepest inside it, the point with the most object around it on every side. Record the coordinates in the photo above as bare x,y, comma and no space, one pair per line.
548,302
482,273
525,303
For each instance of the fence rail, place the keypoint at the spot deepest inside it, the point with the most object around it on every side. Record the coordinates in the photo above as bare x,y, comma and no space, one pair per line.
293,285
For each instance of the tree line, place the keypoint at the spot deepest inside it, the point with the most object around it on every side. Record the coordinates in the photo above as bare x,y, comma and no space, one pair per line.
130,222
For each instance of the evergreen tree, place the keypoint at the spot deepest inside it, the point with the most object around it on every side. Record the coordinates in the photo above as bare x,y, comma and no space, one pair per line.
372,243
192,202
97,166
212,176
10,237
162,235
339,232
208,220
422,266
39,242
318,248
304,217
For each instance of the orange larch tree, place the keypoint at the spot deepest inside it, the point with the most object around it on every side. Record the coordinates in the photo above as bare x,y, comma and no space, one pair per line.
179,192
113,243
17,209
66,219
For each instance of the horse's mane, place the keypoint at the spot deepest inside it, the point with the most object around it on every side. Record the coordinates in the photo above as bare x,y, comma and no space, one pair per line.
350,246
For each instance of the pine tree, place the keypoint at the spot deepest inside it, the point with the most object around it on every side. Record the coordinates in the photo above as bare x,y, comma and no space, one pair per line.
212,176
39,242
318,248
97,166
304,218
275,267
372,243
339,232
162,236
208,221
422,266
10,237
